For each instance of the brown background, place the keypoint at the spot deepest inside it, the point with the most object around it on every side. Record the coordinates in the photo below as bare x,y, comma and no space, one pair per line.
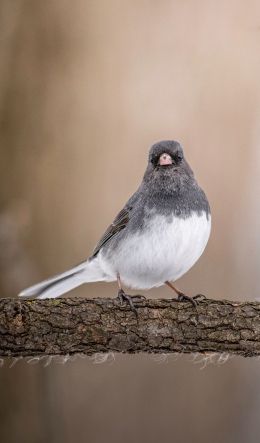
85,88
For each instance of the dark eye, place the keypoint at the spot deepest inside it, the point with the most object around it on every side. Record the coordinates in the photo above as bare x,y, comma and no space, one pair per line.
154,159
178,158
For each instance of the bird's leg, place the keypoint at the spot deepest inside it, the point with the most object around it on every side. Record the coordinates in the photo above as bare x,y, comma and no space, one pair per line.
126,297
183,297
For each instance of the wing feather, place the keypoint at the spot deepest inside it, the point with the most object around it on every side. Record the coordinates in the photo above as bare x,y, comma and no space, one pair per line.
118,224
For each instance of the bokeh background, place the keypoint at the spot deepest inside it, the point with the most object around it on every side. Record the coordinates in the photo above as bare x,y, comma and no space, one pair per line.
85,88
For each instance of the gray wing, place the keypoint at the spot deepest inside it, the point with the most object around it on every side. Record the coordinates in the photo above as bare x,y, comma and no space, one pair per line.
118,224
121,220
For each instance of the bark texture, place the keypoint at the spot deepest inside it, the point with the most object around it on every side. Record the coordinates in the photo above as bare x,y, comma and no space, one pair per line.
66,326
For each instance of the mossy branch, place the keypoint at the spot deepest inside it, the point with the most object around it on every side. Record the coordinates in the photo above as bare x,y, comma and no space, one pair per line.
67,326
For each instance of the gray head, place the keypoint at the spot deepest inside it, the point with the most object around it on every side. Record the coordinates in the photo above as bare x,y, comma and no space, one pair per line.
166,159
170,183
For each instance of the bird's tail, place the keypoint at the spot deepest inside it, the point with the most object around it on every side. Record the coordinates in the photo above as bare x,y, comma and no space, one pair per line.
88,271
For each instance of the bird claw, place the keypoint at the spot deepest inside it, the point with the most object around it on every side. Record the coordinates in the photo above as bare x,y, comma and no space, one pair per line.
199,297
138,298
195,300
184,297
130,299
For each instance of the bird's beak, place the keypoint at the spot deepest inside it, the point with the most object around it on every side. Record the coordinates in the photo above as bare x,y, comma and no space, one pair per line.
165,159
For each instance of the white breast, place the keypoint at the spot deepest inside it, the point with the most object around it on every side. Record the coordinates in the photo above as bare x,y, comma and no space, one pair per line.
164,251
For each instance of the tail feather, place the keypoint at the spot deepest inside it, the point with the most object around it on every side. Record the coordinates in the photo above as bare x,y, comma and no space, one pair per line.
60,284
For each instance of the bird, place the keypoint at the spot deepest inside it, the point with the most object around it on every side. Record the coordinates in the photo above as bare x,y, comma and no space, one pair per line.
156,238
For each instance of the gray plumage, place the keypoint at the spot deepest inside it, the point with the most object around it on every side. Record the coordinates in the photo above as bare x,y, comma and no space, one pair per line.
157,236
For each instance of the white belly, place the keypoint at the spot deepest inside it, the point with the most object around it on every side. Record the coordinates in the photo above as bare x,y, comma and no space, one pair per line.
164,252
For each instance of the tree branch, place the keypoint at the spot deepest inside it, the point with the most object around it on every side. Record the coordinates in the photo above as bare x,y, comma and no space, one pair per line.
76,325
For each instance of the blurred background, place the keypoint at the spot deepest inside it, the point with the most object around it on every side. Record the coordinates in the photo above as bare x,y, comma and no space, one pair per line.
85,88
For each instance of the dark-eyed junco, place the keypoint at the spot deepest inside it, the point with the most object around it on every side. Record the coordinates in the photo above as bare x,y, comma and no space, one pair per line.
157,237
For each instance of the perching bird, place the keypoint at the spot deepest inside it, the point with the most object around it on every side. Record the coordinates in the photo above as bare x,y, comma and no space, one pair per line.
155,239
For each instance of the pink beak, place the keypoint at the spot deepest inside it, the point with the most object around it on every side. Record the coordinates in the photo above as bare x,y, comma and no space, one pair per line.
165,159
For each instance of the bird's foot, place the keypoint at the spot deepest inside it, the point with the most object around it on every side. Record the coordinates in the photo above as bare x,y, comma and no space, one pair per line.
194,300
138,298
130,299
199,297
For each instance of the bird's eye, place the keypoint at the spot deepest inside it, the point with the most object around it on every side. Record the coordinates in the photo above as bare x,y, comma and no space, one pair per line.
154,159
178,158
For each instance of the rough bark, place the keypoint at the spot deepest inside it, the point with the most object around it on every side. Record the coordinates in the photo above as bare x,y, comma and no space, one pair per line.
76,325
